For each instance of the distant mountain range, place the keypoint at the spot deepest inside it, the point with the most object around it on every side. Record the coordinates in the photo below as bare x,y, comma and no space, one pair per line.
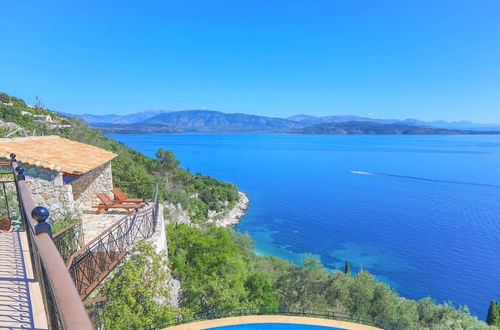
156,121
192,121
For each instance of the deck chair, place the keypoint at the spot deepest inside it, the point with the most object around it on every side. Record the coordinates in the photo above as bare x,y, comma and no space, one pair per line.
107,204
122,198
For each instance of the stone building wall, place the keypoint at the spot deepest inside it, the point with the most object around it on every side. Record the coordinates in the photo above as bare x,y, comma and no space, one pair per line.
48,189
98,180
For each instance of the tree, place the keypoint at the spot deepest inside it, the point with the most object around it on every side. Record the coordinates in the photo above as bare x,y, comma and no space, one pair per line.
38,102
347,268
167,158
210,266
493,317
137,296
260,293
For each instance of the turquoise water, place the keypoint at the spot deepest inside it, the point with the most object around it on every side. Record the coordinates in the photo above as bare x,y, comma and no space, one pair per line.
422,213
274,326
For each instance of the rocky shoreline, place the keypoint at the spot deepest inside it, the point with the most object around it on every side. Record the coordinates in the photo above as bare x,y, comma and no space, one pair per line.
231,217
220,219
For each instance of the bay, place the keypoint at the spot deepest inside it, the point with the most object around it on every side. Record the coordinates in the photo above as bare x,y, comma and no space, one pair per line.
422,213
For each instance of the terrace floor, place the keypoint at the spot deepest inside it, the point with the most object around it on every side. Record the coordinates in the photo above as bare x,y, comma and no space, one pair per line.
21,303
94,224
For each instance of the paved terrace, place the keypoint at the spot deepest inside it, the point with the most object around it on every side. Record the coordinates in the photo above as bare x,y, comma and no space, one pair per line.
21,304
94,224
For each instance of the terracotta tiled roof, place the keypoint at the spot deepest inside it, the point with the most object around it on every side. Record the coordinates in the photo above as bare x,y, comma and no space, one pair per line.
55,153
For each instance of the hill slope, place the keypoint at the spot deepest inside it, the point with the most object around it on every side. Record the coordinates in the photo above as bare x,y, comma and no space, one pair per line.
206,121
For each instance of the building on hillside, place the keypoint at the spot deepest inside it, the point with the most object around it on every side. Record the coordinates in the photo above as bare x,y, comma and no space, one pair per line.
43,118
7,103
63,175
26,113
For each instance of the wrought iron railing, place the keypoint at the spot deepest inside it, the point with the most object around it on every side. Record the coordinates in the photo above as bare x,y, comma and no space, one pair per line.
69,240
92,263
64,308
95,309
10,217
284,311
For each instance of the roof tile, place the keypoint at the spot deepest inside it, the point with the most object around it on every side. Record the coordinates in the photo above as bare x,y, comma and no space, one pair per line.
55,153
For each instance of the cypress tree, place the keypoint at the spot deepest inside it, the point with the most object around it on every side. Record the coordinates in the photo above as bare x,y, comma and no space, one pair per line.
493,317
347,268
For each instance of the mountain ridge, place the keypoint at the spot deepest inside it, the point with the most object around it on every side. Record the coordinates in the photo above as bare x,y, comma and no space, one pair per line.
217,121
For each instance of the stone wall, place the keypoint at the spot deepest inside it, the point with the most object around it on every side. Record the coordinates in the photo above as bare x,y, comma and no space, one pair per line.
99,180
48,189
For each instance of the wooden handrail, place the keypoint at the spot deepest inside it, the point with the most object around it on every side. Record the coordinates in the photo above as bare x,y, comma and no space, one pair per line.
72,313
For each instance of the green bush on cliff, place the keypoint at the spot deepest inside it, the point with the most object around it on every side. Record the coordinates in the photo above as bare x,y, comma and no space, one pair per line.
138,295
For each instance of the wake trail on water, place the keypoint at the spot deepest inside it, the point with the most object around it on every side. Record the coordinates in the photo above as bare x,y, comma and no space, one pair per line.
425,179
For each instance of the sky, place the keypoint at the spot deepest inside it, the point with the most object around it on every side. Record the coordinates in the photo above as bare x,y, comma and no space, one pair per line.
388,59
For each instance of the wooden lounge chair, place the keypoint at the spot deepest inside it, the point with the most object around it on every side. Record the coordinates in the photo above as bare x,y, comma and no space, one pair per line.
122,198
107,204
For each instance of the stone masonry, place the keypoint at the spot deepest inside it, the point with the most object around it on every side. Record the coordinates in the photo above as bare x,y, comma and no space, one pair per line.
98,180
48,189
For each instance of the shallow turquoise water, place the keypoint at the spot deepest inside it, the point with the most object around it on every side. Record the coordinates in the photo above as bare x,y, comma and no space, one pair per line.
274,326
420,212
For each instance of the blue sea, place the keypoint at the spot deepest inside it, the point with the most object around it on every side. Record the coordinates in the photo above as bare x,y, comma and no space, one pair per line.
422,213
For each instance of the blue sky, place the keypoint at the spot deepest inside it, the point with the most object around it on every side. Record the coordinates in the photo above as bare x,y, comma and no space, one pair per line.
392,59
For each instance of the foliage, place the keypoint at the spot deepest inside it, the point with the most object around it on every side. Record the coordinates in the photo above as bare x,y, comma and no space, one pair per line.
493,317
210,266
137,295
347,268
63,222
167,159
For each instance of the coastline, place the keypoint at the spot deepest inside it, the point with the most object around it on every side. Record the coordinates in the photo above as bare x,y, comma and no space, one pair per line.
232,216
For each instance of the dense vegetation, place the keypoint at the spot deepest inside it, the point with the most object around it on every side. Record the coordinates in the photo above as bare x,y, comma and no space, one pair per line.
135,294
493,317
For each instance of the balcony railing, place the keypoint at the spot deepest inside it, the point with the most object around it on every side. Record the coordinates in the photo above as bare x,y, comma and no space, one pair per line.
69,240
93,262
63,306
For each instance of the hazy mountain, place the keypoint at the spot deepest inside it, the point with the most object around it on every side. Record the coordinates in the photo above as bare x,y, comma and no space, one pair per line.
313,120
215,121
137,128
200,121
119,119
364,127
462,125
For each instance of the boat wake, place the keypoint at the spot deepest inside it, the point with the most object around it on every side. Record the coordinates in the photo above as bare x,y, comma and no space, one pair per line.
425,179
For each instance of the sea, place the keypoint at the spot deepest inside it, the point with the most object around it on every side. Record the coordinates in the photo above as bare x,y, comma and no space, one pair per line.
420,212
